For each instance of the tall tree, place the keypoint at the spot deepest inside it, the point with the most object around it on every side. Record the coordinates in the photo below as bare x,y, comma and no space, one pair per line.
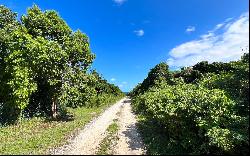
41,50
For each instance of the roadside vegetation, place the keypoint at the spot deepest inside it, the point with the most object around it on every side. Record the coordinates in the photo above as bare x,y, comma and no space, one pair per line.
37,135
47,86
203,109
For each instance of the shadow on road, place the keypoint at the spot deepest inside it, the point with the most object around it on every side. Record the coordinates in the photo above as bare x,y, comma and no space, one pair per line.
127,101
134,141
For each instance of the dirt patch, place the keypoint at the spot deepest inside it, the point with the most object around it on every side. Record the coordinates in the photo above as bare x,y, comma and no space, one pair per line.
130,142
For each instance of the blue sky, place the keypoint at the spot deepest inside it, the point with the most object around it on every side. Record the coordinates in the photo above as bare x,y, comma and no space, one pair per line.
129,37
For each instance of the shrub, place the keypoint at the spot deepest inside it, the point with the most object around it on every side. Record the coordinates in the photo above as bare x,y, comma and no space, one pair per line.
201,120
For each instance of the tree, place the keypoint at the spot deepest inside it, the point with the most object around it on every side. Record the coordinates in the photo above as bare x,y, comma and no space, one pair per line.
37,55
8,24
160,73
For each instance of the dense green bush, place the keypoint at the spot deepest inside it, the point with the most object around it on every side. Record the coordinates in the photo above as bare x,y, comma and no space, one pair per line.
88,90
215,67
189,75
235,83
204,110
160,73
191,115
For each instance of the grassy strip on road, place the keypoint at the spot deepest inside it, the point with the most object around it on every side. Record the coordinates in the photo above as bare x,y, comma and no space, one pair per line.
106,145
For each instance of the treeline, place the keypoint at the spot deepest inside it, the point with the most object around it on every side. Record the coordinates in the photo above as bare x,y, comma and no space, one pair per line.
202,109
45,67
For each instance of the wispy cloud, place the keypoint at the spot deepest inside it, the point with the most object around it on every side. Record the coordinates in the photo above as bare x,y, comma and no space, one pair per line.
139,32
119,2
112,79
223,43
190,29
124,84
218,26
120,85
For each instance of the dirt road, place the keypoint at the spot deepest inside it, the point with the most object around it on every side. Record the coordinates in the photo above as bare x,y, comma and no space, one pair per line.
129,139
89,138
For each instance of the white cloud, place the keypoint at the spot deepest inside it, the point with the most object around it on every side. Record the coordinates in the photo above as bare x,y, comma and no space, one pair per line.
112,79
228,19
218,26
124,82
119,2
223,43
190,29
139,32
120,86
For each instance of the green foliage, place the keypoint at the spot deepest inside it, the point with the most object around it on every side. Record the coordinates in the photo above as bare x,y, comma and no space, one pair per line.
215,67
235,83
156,140
189,75
189,113
160,73
196,72
245,58
44,65
205,110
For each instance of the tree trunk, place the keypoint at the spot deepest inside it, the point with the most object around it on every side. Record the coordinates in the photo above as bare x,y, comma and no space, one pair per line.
54,108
